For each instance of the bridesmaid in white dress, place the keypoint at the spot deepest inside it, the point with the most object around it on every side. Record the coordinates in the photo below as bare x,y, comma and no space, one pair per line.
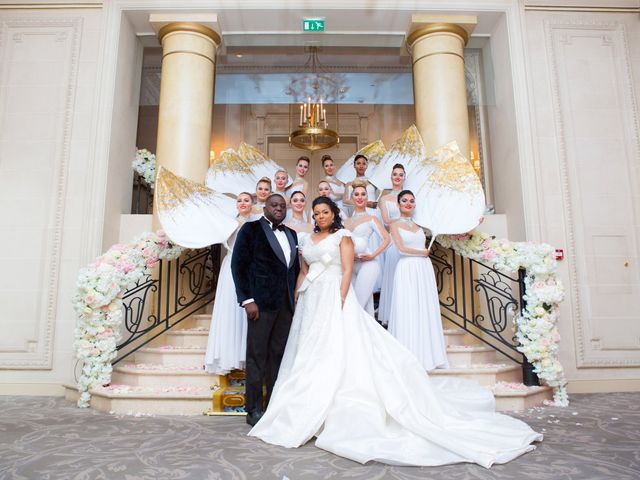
227,343
299,183
364,227
360,164
280,179
344,379
337,187
390,212
325,189
415,307
298,220
263,190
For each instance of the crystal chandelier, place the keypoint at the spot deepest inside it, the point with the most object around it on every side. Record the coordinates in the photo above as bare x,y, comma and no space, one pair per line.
312,130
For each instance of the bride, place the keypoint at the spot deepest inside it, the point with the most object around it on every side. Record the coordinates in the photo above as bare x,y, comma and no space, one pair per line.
346,381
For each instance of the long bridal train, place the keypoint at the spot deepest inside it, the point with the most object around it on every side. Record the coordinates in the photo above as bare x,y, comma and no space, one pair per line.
347,381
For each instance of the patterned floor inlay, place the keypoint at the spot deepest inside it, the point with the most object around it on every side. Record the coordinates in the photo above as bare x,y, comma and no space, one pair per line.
597,437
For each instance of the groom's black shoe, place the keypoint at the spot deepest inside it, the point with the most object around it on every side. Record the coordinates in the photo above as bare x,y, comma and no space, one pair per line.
252,418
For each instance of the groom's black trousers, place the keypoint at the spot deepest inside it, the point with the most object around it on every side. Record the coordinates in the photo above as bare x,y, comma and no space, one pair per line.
266,340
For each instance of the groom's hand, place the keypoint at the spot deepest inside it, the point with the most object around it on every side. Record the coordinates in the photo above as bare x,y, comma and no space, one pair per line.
252,311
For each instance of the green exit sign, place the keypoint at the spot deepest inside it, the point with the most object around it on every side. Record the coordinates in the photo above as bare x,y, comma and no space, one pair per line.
313,25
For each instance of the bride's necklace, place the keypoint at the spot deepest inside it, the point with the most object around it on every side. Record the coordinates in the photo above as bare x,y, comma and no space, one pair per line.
407,220
295,221
359,214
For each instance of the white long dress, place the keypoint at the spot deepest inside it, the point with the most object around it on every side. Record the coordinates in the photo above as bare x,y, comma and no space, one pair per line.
414,319
346,380
391,257
227,343
365,274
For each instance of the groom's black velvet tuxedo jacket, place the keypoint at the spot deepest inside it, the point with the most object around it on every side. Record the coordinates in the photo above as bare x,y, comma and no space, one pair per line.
259,268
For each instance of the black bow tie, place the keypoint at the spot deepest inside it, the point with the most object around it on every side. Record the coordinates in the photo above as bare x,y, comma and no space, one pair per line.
278,227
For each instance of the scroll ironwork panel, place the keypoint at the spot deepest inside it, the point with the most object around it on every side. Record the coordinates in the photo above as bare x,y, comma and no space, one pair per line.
163,298
482,301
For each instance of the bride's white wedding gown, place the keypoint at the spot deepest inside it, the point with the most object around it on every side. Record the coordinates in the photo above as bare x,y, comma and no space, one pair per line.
347,381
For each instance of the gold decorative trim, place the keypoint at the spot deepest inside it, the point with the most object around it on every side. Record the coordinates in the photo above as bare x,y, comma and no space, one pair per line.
190,52
443,52
438,28
189,27
296,138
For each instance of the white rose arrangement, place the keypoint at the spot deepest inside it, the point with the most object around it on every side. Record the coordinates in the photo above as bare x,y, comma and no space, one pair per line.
98,303
536,329
145,165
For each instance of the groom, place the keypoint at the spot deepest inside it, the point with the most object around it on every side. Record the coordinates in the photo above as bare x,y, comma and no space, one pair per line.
265,267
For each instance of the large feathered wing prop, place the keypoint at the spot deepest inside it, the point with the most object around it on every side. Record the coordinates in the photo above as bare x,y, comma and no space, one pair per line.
373,151
259,163
229,174
191,214
449,195
408,150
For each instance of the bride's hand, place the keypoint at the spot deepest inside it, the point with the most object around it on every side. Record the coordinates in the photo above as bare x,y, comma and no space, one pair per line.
366,257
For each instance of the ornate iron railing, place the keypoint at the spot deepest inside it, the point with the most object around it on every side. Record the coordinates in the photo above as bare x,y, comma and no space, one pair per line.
141,196
482,301
168,295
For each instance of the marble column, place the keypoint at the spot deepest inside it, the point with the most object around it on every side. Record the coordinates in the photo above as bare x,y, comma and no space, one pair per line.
186,95
436,43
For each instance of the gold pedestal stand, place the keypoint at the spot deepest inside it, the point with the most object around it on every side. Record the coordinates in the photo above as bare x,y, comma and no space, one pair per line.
229,392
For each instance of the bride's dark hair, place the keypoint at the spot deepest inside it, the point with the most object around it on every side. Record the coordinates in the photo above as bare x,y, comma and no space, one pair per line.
337,221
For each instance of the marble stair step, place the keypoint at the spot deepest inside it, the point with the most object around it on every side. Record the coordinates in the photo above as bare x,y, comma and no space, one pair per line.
188,337
170,355
486,375
199,320
521,397
146,401
460,355
155,375
125,399
454,336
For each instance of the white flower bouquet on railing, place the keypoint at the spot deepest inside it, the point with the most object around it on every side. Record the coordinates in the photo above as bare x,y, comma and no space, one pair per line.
98,303
145,165
536,329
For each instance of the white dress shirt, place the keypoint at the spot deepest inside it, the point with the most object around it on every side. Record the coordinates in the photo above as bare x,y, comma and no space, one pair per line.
281,236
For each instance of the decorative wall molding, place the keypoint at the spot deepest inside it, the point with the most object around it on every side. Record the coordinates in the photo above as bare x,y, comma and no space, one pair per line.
590,352
38,354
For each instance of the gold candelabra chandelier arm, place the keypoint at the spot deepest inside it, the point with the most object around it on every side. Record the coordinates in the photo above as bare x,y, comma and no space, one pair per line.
313,115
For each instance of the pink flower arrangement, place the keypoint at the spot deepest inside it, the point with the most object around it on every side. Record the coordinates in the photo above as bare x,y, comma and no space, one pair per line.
98,303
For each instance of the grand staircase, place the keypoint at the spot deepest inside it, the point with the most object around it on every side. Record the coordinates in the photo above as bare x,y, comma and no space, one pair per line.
166,377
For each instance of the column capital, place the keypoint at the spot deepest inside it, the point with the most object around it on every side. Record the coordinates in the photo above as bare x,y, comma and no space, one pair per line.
203,24
423,25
